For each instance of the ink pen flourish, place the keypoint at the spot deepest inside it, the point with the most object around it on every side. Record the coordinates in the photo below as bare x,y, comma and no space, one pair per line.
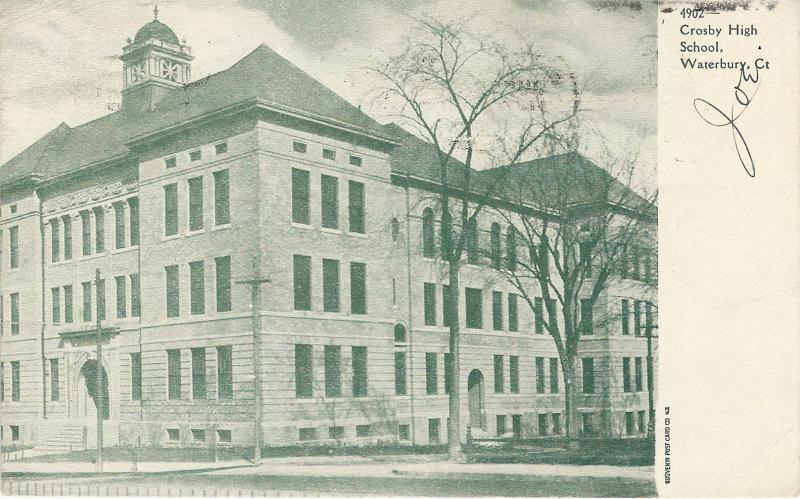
715,116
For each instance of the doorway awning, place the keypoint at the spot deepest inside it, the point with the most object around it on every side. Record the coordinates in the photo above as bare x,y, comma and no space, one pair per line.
83,337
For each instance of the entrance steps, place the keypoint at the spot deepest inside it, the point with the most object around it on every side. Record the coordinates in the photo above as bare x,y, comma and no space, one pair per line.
62,438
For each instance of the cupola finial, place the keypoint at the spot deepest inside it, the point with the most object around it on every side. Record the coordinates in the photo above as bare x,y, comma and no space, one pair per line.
155,12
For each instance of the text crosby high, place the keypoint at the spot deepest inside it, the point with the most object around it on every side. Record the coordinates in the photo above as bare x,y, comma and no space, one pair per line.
189,188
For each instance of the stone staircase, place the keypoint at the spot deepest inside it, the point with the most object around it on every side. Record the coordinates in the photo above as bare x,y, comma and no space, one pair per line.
63,438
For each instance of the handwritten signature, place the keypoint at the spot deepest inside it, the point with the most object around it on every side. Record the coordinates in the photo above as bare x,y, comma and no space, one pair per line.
744,91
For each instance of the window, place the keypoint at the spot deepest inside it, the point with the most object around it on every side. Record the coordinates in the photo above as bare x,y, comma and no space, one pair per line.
170,162
516,425
363,430
68,304
472,244
501,424
333,371
302,282
173,291
174,374
556,417
538,316
119,225
195,155
122,298
625,318
87,301
474,306
359,371
400,373
355,160
99,229
13,236
303,370
429,303
553,375
136,299
511,248
648,318
447,308
587,321
587,423
448,372
626,374
336,432
553,322
221,148
173,434
196,203
637,318
499,382
638,374
513,313
300,147
14,432
13,209
542,420
136,376
15,388
497,310
306,434
198,373
170,209
224,436
587,363
330,202
66,221
300,196
399,333
101,299
14,313
330,285
355,193
329,154
629,423
395,228
428,241
496,249
197,276
431,381
513,371
433,430
222,198
225,372
641,424
539,374
133,209
198,435
55,300
404,432
222,266
86,233
358,288
55,240
54,395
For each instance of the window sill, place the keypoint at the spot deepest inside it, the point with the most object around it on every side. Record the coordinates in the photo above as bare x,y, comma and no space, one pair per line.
170,237
357,234
84,258
226,226
124,250
298,225
195,232
329,230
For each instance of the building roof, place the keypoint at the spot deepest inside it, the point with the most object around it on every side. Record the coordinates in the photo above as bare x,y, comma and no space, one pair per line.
262,75
158,30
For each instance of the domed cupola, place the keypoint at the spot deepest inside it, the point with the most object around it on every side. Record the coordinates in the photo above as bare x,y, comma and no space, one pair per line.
154,63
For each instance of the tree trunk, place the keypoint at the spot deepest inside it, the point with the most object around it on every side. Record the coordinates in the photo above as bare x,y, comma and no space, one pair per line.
571,424
454,399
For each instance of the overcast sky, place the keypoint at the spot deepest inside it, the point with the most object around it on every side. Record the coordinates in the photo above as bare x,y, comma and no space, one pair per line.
60,58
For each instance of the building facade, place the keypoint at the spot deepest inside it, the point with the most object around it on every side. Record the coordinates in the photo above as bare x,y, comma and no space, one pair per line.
260,171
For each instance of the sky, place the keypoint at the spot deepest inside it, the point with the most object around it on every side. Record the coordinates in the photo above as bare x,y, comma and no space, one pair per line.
60,57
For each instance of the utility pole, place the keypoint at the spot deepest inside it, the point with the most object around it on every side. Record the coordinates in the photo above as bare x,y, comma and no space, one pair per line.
99,375
254,285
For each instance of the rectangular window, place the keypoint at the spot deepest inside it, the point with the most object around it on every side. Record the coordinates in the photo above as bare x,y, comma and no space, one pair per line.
336,432
404,432
641,424
587,364
358,288
587,423
122,296
222,198
101,299
55,240
400,373
330,202
553,375
136,376
587,322
539,374
497,310
360,371
136,296
119,225
68,304
99,229
355,193
513,313
542,421
221,148
55,300
474,306
330,285
629,423
625,318
302,282
86,233
174,374
170,162
513,371
648,318
501,424
66,221
499,382
556,423
87,301
197,278
300,147
329,154
198,435
538,315
516,425
306,434
448,372
355,160
626,374
433,430
224,436
431,379
54,394
195,155
173,434
363,430
222,266
196,203
199,373
429,303
225,372
133,210
15,388
637,367
303,371
14,313
333,371
300,196
637,318
13,237
447,310
173,291
553,322
170,209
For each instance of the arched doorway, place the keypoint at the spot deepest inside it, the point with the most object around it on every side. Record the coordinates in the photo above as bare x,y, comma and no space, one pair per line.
89,393
477,405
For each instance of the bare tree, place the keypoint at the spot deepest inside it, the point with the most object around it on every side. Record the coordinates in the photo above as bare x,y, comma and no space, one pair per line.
459,93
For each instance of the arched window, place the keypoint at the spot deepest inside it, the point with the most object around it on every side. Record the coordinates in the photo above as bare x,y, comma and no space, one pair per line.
428,241
399,333
511,248
473,249
497,251
395,225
